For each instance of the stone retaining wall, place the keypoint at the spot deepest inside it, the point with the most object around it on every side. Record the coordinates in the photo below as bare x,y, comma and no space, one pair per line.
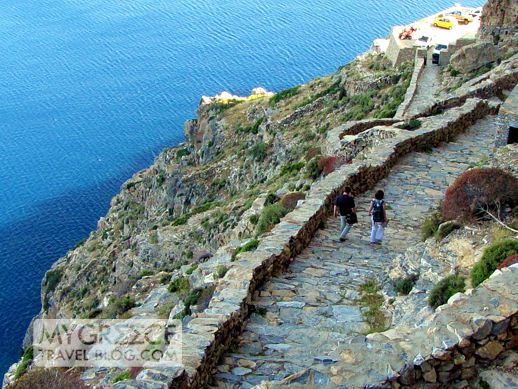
419,65
211,333
504,77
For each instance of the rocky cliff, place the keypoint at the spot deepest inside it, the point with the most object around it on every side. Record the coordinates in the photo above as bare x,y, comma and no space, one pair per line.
178,212
500,21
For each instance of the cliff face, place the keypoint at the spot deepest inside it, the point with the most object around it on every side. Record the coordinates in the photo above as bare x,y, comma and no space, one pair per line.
207,193
500,20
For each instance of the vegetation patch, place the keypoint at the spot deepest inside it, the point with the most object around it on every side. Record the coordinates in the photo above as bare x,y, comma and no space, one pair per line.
411,125
124,375
191,299
511,260
404,285
251,245
292,169
27,357
258,151
221,270
180,285
371,301
493,256
287,93
119,305
270,216
479,190
446,288
431,225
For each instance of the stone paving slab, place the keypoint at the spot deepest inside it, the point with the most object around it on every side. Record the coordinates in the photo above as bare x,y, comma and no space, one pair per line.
310,312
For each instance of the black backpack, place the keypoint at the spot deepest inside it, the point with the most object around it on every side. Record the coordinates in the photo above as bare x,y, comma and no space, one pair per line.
377,211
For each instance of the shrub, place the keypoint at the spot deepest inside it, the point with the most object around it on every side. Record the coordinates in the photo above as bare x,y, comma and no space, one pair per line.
287,93
328,164
313,168
251,245
145,273
254,219
271,198
258,151
292,168
510,260
27,357
431,225
493,256
446,288
221,270
290,200
119,305
124,375
52,278
405,285
191,299
477,189
50,378
411,125
181,285
270,216
191,270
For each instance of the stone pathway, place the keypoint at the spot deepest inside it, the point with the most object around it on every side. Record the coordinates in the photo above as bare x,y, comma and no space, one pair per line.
427,86
307,312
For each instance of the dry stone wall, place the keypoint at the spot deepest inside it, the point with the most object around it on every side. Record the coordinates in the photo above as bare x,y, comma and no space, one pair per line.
208,335
419,65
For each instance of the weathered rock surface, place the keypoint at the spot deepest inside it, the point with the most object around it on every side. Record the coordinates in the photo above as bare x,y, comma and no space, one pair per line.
475,56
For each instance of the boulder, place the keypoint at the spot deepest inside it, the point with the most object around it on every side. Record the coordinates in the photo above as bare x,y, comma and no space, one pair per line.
474,56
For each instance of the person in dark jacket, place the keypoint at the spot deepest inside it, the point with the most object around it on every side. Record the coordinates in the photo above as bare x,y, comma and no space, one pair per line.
345,206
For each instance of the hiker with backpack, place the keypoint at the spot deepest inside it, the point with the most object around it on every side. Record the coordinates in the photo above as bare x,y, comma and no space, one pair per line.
345,206
379,217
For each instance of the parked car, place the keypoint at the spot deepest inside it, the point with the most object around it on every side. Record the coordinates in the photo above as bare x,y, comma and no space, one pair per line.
436,54
443,23
424,42
461,17
475,12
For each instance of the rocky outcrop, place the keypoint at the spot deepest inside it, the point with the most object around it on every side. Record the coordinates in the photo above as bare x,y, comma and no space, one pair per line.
499,20
475,56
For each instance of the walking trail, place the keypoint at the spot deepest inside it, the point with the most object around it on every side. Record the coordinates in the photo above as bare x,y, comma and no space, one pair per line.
308,311
427,86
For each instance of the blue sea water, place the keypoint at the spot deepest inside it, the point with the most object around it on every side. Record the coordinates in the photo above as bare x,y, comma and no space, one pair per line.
91,91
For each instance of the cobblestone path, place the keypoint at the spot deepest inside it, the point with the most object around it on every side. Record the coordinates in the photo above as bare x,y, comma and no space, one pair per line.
427,86
305,313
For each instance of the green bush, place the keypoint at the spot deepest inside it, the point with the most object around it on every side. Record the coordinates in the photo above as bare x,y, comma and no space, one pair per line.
191,270
258,151
124,375
179,285
254,219
405,285
251,245
431,225
119,305
27,357
411,125
270,216
292,168
493,256
287,93
221,270
145,273
446,288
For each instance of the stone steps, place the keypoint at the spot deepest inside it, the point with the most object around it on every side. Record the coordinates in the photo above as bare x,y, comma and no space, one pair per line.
310,310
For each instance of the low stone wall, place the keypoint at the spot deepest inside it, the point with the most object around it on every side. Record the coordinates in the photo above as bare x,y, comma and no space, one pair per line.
504,77
211,333
419,64
335,137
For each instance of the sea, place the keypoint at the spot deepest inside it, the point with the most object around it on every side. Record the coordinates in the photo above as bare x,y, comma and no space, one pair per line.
92,90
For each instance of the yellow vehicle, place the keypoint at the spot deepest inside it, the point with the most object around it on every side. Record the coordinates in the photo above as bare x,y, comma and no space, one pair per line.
461,18
443,23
